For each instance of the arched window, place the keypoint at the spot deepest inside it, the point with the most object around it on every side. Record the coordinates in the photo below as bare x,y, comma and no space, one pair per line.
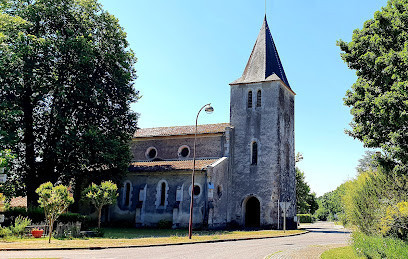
250,99
127,194
163,194
258,98
254,158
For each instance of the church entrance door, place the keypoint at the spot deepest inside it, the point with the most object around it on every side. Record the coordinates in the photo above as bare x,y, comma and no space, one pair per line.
252,213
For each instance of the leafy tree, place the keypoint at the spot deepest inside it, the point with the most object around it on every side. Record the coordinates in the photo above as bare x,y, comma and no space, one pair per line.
379,98
367,162
11,186
305,200
55,200
331,204
66,78
101,195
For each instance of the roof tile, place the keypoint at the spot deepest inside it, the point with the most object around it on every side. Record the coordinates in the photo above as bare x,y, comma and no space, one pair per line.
180,130
154,166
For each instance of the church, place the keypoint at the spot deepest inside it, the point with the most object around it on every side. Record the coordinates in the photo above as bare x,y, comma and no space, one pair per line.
244,170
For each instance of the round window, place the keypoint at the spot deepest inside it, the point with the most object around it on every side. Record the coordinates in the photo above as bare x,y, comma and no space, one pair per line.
151,153
197,190
185,152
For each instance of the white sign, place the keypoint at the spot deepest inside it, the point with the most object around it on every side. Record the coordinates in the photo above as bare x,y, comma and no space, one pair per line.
3,178
284,205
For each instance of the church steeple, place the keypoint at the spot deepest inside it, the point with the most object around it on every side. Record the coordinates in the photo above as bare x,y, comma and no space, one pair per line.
264,63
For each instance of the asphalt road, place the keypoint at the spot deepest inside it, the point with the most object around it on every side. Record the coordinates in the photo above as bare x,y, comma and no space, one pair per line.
323,235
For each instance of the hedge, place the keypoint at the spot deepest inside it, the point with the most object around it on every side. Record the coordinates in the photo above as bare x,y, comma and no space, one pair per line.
36,215
304,218
379,247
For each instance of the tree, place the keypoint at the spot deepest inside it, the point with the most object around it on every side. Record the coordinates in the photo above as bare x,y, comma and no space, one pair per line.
379,98
66,78
12,184
101,195
305,200
367,162
55,200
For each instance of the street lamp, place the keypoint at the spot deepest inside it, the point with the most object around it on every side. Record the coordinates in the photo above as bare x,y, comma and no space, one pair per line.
208,109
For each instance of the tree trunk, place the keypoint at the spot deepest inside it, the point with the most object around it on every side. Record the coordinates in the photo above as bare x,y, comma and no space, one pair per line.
31,177
99,216
50,230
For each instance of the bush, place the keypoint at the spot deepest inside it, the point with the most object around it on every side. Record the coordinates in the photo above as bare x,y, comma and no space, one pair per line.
36,215
304,218
379,247
87,221
98,232
164,224
20,223
5,232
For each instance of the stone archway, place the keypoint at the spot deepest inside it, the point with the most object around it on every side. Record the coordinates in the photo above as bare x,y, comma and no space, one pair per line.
252,213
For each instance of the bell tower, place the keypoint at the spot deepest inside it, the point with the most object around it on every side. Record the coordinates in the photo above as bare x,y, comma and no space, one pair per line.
262,166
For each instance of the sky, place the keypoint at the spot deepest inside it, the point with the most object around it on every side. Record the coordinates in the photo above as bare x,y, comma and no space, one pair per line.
189,51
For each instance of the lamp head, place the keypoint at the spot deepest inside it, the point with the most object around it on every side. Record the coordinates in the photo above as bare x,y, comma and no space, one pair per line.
209,109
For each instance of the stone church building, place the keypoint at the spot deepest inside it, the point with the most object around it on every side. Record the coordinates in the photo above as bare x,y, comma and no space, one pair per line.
244,168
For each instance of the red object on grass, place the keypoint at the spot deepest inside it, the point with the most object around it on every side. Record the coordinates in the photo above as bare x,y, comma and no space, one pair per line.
37,233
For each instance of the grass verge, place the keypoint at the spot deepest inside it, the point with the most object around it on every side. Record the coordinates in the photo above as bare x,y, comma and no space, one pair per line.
139,237
346,252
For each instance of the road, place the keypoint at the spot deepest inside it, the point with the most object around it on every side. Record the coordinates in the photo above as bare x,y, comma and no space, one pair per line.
322,235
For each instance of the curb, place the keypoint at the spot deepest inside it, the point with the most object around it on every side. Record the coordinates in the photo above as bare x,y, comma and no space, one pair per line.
141,246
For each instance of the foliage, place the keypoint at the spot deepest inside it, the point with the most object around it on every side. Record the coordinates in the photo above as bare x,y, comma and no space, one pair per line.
379,98
346,252
304,218
164,224
98,232
379,247
331,205
101,195
367,162
55,200
66,76
9,188
20,223
6,157
305,199
5,232
395,222
36,214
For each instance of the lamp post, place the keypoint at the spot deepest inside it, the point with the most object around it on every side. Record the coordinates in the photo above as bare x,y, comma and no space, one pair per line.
208,109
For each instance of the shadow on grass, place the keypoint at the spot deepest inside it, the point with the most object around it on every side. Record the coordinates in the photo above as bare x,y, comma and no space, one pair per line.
131,233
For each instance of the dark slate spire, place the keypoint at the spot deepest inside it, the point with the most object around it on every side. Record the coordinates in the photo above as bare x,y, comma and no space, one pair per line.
264,63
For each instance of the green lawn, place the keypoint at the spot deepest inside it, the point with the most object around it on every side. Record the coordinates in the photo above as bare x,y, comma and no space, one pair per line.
340,253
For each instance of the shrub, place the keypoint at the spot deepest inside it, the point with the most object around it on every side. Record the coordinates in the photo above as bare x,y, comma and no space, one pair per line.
5,232
304,218
395,222
98,232
379,247
164,224
20,223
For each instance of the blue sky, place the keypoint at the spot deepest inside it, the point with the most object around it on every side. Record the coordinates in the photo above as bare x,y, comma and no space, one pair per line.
189,51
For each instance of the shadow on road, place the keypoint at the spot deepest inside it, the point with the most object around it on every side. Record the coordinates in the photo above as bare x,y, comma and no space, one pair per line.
322,230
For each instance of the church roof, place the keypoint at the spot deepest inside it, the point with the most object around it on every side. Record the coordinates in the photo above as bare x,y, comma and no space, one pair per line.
155,166
181,130
264,63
